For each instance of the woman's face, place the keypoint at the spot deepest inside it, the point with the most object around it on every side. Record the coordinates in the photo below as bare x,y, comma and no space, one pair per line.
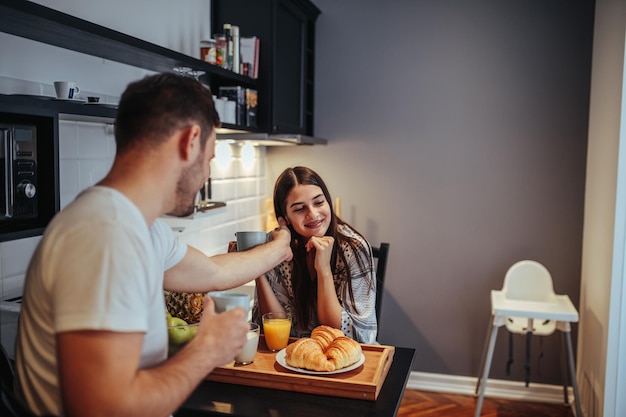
307,210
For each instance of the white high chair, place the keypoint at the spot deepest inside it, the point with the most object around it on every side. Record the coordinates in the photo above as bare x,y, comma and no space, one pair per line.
528,305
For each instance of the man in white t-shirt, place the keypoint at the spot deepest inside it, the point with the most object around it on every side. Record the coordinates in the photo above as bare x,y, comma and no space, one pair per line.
92,337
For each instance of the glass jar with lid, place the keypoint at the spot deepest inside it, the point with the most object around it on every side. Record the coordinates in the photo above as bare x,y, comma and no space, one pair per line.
208,51
221,49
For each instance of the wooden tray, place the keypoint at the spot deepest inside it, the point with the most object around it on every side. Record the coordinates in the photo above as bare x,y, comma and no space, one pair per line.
363,383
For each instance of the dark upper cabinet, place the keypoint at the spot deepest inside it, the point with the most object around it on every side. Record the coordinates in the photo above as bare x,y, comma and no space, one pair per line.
286,29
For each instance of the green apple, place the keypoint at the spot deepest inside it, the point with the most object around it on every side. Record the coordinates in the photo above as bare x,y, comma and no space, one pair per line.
179,335
167,315
175,321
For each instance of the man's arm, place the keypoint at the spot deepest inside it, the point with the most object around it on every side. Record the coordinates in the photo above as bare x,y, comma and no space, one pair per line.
100,375
197,272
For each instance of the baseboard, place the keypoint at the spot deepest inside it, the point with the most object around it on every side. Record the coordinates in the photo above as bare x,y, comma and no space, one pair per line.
511,390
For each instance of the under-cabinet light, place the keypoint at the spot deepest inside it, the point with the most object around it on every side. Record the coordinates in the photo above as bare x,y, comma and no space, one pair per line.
247,155
223,154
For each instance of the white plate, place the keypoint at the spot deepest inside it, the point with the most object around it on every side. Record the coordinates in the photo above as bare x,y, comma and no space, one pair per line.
280,358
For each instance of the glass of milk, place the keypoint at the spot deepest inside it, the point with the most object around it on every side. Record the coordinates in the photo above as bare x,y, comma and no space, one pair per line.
247,354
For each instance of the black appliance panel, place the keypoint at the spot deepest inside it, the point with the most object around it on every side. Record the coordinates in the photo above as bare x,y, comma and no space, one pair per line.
28,173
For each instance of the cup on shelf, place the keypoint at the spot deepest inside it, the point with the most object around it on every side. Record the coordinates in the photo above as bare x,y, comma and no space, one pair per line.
66,90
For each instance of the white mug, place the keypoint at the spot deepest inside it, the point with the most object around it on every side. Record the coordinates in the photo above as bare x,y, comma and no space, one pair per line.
225,300
66,90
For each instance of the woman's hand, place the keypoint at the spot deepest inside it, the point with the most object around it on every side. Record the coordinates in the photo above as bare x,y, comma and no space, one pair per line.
321,248
328,306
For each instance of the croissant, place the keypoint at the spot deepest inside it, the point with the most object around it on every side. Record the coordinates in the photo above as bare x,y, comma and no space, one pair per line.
325,335
308,353
327,349
343,352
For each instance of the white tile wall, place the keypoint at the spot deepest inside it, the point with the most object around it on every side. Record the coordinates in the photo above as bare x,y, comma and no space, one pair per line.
243,190
14,258
86,152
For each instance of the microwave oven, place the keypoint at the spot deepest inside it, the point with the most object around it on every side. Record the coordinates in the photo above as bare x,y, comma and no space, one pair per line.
18,171
28,174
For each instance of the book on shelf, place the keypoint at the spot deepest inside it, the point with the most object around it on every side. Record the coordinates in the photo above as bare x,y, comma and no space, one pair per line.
249,52
252,100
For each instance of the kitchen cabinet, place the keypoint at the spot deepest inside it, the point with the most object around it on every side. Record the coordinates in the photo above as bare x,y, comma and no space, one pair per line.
286,29
36,22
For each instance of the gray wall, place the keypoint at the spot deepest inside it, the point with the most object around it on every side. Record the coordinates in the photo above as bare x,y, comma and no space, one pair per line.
457,132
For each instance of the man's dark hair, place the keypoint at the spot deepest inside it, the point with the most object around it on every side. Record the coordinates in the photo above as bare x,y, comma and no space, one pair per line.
153,108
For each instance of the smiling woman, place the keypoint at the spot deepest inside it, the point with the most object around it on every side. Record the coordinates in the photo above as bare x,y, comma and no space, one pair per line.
331,279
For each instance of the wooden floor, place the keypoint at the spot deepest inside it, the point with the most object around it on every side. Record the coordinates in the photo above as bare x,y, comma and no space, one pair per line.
432,404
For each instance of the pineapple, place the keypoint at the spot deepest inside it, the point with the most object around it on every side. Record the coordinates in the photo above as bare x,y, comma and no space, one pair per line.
186,306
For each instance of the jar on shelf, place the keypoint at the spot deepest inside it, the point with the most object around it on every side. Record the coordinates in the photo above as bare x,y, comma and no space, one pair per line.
208,51
221,49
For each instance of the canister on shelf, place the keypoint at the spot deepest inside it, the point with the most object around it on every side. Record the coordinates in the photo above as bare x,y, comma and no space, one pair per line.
230,112
207,51
221,50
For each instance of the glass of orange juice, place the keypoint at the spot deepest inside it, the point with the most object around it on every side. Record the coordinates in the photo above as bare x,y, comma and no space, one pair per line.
276,327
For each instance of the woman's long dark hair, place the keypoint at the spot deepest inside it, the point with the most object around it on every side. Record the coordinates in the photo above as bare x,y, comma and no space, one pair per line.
304,288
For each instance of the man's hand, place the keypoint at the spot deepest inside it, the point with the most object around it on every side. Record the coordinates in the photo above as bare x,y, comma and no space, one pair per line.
283,235
221,336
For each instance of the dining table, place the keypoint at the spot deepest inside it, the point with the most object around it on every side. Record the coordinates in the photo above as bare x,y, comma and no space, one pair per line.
212,398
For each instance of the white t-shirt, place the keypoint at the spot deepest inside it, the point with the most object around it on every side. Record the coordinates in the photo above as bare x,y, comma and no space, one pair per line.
98,267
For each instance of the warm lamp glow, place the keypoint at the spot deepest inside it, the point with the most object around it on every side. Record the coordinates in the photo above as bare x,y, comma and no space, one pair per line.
223,154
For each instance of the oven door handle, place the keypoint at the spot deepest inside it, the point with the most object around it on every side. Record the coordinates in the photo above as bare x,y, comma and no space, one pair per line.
8,150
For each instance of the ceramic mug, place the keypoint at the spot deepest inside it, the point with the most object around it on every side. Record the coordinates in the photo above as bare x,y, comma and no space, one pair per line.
248,240
66,90
225,300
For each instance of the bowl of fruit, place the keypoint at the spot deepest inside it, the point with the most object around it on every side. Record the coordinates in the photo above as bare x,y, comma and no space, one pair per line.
179,333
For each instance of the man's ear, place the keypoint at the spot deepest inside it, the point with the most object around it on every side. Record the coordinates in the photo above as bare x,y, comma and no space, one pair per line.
189,142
